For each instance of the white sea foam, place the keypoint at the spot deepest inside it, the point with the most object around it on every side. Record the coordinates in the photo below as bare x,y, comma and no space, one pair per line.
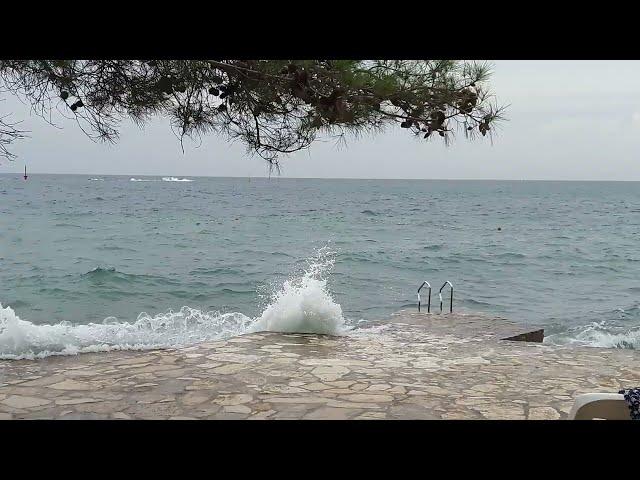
175,179
23,339
598,334
630,339
303,304
142,180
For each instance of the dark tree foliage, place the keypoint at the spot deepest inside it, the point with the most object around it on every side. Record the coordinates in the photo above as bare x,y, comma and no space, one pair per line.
8,133
274,106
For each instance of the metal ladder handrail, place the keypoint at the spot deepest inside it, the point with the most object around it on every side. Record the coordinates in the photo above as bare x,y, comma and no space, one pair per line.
440,295
429,301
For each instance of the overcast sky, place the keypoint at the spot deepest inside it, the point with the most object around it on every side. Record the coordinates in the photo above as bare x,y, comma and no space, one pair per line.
568,120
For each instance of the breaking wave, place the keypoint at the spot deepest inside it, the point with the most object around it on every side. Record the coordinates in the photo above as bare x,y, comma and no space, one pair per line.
303,304
598,335
175,179
619,329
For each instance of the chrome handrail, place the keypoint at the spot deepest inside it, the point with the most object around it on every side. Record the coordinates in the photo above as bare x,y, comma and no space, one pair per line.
440,295
429,301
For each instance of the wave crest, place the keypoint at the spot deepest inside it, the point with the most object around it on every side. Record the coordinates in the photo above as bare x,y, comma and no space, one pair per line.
303,305
598,335
176,179
620,329
21,339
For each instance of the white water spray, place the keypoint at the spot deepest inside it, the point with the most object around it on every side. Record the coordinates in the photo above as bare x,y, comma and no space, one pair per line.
176,179
303,305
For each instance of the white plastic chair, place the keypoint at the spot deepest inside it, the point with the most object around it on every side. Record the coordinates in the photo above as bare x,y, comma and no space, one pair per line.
602,406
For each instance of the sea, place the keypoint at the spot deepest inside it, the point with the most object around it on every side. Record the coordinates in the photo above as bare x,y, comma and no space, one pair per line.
99,263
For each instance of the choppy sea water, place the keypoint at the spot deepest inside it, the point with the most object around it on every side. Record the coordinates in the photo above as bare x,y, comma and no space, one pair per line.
109,262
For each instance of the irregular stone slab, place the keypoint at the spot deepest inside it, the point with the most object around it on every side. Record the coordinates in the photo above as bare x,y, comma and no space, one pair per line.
378,387
371,416
233,357
229,369
316,386
71,385
429,390
135,359
17,401
337,391
43,381
282,389
502,412
367,397
121,416
543,413
262,415
154,369
335,362
398,389
341,383
354,405
297,400
87,373
209,365
329,413
194,398
29,391
485,388
75,401
359,386
329,373
237,409
233,399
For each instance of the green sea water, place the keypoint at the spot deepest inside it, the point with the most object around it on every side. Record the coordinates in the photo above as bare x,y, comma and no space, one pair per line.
96,263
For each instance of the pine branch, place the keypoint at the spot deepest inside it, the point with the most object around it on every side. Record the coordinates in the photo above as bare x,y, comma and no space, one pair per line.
275,107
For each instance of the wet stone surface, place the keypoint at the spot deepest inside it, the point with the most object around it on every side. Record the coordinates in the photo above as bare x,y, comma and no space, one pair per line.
412,366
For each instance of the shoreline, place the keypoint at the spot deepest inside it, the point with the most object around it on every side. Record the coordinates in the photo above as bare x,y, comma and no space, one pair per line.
410,366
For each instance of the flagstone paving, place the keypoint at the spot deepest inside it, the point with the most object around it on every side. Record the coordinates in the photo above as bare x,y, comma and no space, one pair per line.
412,366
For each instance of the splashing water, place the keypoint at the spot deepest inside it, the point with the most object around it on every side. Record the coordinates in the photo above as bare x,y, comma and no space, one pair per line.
176,179
302,305
23,339
618,330
598,334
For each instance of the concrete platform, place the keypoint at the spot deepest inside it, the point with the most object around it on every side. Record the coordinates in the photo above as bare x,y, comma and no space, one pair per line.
411,366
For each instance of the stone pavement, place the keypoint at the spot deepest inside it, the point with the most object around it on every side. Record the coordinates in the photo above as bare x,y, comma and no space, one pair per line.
412,366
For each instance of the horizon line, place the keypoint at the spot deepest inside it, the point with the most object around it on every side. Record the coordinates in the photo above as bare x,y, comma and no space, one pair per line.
324,178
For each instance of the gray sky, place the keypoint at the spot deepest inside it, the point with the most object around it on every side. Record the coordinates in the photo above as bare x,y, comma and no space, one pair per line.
568,120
